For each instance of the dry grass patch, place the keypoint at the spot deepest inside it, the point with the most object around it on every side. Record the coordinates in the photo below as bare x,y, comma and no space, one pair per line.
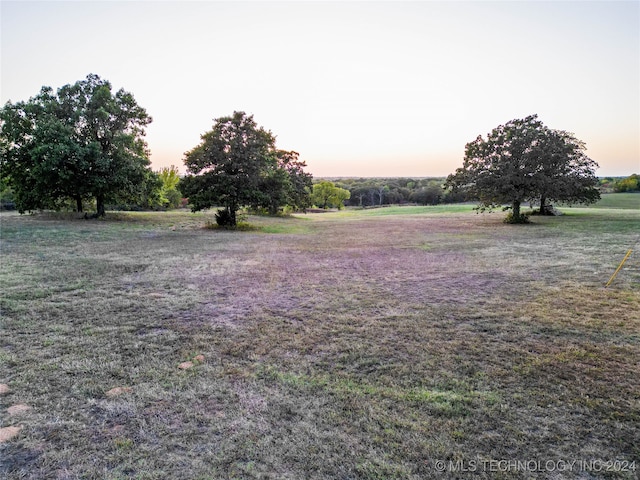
342,346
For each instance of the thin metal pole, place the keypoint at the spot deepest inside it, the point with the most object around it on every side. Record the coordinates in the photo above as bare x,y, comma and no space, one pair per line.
619,267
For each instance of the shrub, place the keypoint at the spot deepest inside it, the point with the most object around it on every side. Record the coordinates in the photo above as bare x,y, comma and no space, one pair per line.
524,218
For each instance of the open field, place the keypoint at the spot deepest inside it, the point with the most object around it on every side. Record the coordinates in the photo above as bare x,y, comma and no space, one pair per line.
619,200
370,344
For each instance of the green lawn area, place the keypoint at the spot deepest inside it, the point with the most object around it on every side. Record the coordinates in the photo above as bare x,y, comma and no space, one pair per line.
619,200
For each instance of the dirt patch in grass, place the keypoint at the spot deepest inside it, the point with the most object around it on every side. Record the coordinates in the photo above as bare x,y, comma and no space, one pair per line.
356,346
7,433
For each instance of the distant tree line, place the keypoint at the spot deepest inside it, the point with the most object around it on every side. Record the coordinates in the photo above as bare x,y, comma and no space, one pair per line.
620,184
378,191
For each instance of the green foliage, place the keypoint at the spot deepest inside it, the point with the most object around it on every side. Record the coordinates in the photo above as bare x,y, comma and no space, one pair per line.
520,219
564,172
431,194
629,184
327,195
170,195
297,183
7,197
79,143
148,195
237,165
370,192
524,160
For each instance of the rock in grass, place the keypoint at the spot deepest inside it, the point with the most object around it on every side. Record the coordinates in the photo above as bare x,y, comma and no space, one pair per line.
185,365
18,409
114,392
4,389
199,358
7,433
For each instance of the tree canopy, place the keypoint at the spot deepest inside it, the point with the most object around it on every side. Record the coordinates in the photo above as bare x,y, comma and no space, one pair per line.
629,184
170,195
565,173
524,160
81,142
376,191
326,194
237,165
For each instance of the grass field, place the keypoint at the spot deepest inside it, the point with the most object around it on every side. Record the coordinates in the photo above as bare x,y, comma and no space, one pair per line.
619,200
402,343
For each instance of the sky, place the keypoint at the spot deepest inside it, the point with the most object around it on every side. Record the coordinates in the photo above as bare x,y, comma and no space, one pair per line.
358,88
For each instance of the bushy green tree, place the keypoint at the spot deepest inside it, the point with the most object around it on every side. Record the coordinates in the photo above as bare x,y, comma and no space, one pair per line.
327,195
237,165
501,168
81,142
299,183
430,194
286,185
170,195
629,184
524,160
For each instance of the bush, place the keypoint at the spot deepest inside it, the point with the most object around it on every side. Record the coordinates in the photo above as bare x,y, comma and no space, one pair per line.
524,218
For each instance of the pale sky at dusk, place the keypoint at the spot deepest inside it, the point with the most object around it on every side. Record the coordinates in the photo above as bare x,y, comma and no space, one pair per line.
357,88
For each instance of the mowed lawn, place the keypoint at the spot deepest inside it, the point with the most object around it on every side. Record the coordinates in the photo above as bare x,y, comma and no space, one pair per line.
402,343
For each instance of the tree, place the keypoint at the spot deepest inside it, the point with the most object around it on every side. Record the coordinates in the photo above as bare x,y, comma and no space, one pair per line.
169,193
81,142
566,173
147,195
236,165
360,193
524,160
297,183
428,195
629,184
326,194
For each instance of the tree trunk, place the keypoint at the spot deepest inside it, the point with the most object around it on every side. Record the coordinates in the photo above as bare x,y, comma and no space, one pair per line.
79,204
232,216
543,208
100,206
516,211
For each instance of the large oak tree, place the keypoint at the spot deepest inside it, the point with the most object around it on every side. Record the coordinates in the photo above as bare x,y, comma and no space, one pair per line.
81,142
237,165
524,160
